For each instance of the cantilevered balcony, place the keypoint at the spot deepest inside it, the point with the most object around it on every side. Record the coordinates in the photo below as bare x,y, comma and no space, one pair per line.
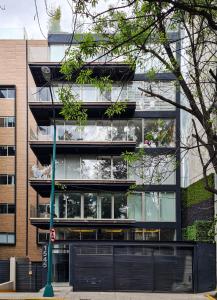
116,68
96,137
91,98
75,172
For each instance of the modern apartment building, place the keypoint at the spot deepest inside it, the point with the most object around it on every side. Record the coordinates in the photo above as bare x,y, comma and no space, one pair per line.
92,179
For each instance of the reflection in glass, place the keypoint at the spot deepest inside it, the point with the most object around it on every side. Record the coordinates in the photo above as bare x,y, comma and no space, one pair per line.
90,206
119,130
120,206
73,205
159,133
135,131
106,206
103,131
89,168
60,168
72,167
152,207
119,168
104,168
134,203
168,207
160,206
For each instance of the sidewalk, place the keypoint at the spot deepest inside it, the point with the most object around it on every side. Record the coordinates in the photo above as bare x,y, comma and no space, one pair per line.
105,296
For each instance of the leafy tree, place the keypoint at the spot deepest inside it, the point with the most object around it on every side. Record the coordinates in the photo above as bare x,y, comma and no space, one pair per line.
140,32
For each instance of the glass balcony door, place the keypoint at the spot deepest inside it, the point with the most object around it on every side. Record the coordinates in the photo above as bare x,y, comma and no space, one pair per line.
68,205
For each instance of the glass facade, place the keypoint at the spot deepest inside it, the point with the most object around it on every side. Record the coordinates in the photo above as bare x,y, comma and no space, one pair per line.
139,206
119,92
108,234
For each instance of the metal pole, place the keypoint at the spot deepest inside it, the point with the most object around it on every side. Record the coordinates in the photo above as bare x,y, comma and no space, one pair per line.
48,291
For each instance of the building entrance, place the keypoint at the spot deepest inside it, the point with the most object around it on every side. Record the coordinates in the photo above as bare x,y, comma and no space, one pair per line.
61,263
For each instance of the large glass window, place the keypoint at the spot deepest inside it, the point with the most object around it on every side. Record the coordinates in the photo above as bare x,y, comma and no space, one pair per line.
159,132
160,206
103,131
134,203
119,130
90,205
104,167
60,167
120,206
119,168
106,206
73,205
72,167
89,168
135,131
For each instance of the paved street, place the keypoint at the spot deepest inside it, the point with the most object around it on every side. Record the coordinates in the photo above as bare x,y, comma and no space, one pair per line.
105,296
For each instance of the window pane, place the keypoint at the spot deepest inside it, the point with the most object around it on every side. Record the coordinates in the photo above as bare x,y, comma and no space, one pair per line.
106,206
89,168
119,130
10,122
103,132
104,168
73,205
159,169
11,93
60,131
89,132
135,131
2,123
11,238
3,150
11,179
60,167
60,206
159,133
11,208
119,168
89,93
3,93
3,238
134,202
3,179
90,205
72,167
72,132
152,207
11,150
3,208
120,206
168,211
44,210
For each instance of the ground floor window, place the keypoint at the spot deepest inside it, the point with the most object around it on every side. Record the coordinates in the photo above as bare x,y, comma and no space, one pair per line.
109,234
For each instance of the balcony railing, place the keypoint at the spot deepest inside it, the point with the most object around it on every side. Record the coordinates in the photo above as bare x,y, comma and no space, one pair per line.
95,131
129,93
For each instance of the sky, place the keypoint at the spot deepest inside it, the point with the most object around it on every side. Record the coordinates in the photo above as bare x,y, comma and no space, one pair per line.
22,13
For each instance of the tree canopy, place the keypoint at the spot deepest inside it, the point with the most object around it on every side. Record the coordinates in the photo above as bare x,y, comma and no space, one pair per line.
176,37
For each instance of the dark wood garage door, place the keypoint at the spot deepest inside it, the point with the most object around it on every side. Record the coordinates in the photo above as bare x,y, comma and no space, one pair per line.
130,268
